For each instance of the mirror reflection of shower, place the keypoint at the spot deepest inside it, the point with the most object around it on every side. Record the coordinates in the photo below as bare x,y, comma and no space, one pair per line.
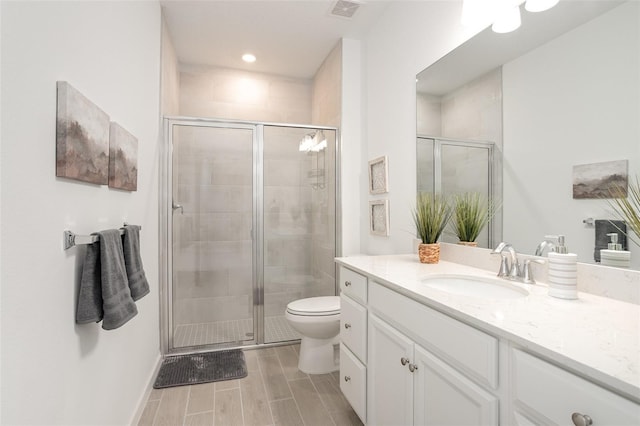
314,144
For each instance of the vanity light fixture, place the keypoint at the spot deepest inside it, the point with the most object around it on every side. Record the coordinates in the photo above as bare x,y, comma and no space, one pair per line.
504,15
313,142
539,5
249,58
507,19
306,143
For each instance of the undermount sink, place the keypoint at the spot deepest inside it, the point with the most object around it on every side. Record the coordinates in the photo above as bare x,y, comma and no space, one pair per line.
479,287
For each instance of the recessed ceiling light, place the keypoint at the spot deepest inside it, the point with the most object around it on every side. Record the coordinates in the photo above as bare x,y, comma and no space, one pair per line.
248,57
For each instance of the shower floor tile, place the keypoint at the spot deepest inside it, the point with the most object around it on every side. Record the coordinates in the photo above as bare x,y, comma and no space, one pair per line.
277,329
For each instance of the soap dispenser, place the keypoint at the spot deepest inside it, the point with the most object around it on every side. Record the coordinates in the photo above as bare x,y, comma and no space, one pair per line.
614,255
563,271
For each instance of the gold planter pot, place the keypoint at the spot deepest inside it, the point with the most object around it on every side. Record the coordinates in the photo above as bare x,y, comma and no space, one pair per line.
468,243
429,253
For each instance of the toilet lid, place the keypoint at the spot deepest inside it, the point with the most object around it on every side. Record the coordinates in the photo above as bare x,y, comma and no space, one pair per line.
324,305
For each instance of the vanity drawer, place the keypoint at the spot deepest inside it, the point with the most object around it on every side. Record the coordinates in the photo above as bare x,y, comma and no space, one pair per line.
469,350
353,284
353,382
554,394
353,326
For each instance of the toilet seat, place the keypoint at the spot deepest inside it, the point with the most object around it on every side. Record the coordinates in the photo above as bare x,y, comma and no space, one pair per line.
315,306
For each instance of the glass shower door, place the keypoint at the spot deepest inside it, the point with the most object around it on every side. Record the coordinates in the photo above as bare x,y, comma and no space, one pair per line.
212,288
299,221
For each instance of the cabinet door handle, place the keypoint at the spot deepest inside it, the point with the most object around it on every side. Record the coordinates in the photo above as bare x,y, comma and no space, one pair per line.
347,284
346,378
413,367
346,325
581,419
403,360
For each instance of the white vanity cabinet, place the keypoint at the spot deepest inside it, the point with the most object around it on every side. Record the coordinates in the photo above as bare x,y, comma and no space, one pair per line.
406,383
353,339
544,394
403,362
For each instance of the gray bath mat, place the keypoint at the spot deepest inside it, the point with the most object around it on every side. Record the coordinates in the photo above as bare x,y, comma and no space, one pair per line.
201,368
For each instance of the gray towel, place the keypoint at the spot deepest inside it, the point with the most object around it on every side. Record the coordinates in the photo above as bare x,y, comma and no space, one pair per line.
117,303
135,273
90,294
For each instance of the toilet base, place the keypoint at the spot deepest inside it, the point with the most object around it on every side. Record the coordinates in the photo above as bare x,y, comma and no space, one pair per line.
317,356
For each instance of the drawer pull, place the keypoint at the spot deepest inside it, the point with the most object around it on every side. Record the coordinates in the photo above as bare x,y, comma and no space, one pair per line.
347,378
347,283
403,360
581,419
413,367
346,325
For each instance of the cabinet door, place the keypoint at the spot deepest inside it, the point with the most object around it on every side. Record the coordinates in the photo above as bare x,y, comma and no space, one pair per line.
353,326
353,381
389,383
554,395
443,396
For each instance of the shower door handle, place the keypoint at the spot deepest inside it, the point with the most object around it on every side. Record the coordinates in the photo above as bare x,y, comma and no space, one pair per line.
177,206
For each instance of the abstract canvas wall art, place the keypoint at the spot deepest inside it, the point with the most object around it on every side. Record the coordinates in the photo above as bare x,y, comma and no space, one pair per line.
82,137
596,180
123,159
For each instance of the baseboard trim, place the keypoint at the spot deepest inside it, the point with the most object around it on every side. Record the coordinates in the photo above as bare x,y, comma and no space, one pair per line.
142,402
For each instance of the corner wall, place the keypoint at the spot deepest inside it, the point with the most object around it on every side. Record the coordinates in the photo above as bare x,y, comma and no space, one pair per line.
397,48
54,371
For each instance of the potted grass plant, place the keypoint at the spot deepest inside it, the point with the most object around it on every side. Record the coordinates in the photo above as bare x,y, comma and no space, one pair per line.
626,205
431,215
471,213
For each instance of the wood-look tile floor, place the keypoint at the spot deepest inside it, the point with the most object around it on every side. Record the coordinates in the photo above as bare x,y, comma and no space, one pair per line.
274,393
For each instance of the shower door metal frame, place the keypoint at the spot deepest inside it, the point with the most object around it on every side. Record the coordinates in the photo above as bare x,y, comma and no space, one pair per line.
166,226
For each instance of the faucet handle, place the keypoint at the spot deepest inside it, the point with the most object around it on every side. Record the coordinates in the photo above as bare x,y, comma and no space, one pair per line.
504,264
527,277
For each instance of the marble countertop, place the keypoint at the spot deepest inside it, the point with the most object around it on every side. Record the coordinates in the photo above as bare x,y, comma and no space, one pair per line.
594,336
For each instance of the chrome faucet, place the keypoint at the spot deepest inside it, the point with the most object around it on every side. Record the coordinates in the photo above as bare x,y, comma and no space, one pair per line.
507,270
511,270
545,245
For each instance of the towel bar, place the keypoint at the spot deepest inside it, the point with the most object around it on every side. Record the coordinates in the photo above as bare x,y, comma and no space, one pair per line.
71,239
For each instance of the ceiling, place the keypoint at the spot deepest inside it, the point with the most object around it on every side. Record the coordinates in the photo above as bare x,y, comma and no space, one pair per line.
289,38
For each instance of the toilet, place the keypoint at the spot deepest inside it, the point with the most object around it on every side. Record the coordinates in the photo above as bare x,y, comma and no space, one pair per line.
317,319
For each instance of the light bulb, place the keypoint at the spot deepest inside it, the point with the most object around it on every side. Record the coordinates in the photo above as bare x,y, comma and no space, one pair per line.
249,58
507,20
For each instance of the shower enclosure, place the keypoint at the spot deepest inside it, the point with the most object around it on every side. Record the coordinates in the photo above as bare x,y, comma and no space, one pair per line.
248,225
451,166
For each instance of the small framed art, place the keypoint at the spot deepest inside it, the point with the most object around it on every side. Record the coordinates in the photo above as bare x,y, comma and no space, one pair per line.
378,176
379,217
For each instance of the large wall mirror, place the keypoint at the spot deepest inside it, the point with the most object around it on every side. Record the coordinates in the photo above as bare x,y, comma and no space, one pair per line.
561,91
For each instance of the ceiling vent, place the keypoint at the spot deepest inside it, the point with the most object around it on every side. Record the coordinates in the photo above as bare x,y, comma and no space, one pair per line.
344,8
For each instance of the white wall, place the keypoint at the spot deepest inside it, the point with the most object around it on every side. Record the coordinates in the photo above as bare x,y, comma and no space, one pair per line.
54,371
572,101
351,146
409,37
